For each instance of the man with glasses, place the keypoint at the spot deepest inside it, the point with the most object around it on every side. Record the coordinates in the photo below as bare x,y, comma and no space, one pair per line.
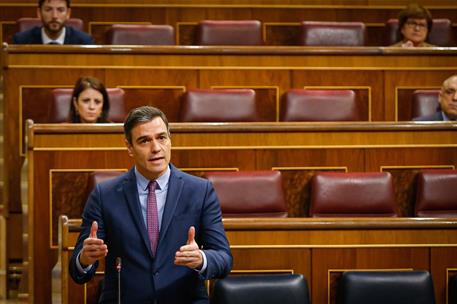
53,14
414,25
448,102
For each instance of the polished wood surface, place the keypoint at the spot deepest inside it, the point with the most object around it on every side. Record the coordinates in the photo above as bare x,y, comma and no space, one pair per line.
61,157
320,249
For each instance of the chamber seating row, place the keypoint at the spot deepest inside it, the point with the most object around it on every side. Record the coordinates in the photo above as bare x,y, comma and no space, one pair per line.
61,158
250,32
273,265
333,194
232,105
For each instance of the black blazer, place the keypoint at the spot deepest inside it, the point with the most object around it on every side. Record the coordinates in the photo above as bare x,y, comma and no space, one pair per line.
33,36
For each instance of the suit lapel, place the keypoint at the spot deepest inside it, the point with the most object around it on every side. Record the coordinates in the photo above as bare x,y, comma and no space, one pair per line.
131,195
173,195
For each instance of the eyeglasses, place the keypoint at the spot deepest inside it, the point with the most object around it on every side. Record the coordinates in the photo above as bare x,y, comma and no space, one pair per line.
412,24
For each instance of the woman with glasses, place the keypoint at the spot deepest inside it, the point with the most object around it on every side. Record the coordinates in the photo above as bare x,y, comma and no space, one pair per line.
414,25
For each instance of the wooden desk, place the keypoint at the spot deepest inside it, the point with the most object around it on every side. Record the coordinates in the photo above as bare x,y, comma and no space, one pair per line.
60,157
320,249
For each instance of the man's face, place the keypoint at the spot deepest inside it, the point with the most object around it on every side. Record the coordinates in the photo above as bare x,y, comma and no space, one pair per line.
150,148
415,30
448,97
53,14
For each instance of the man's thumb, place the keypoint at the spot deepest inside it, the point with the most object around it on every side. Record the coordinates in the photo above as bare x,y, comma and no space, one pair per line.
191,235
93,230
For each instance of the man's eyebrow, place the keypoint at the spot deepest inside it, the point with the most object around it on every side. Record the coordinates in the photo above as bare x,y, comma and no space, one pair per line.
141,138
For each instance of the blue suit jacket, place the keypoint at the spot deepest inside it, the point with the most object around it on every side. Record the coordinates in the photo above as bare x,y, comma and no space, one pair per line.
191,201
437,116
33,36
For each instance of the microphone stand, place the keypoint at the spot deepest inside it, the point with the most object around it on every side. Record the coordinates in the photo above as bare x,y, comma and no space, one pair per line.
118,269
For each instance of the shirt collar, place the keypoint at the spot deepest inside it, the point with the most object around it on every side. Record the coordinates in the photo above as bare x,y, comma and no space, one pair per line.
59,40
162,181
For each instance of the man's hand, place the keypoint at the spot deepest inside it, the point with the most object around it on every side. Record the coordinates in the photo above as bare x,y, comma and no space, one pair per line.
189,255
93,248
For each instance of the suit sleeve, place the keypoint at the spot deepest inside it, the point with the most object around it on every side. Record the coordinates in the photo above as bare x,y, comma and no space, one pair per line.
92,212
213,238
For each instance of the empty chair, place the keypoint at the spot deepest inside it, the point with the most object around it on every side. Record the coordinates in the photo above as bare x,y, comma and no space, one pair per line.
436,193
335,194
229,32
425,102
440,35
98,177
220,105
60,105
323,33
27,23
141,34
319,105
261,289
380,287
249,193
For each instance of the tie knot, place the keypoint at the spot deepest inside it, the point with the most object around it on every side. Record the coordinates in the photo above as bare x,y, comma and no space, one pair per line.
53,42
152,185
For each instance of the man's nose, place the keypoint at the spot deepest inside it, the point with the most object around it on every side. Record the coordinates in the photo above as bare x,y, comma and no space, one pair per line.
155,145
54,14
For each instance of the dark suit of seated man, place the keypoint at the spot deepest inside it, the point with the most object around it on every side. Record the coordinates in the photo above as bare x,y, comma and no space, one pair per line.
164,225
53,14
448,102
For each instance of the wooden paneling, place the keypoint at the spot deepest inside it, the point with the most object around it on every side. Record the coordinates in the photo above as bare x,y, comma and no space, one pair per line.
320,249
58,153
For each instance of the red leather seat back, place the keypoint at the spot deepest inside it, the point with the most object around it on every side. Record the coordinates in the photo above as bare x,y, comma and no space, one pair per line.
319,105
229,32
440,35
27,23
249,193
141,34
436,193
97,177
352,194
425,102
218,105
60,106
323,33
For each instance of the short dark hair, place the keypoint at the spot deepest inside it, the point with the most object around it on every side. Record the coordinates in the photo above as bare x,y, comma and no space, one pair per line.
40,3
142,115
415,11
82,84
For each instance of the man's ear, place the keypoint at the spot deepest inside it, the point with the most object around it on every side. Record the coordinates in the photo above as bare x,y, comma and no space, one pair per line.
68,13
38,12
129,147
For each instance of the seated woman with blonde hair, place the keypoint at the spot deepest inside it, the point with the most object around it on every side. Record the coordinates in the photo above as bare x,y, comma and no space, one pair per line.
89,101
414,25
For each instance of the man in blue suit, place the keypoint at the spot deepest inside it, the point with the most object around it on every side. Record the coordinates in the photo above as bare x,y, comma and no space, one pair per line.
164,266
448,102
53,14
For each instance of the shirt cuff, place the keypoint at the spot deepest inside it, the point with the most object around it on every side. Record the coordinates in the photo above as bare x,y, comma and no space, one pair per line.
205,263
80,267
